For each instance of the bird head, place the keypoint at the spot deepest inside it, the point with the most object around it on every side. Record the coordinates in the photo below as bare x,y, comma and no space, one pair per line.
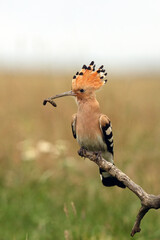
88,80
84,83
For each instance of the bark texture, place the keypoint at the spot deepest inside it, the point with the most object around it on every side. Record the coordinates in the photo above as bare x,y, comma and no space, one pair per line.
148,201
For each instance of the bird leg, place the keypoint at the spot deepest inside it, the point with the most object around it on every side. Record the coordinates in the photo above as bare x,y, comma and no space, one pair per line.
82,152
98,154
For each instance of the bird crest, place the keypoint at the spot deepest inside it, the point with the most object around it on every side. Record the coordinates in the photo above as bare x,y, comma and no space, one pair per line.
88,77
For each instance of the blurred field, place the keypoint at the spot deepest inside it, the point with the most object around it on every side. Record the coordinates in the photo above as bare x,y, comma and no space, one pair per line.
46,190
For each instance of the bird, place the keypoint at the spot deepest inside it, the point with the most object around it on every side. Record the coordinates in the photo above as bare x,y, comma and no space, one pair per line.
91,128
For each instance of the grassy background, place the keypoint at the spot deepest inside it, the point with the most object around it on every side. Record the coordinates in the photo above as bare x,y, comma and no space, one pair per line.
46,190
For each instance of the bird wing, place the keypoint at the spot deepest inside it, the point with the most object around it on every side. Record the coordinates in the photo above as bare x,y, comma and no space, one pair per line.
73,124
106,129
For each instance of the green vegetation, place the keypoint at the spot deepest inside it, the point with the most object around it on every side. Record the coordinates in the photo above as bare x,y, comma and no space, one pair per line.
46,190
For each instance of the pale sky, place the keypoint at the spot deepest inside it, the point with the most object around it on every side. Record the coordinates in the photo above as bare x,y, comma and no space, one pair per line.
48,33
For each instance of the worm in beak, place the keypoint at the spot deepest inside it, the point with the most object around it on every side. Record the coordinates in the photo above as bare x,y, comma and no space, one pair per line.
50,99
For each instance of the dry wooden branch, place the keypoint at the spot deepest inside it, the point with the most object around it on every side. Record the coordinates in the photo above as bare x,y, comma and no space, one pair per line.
148,201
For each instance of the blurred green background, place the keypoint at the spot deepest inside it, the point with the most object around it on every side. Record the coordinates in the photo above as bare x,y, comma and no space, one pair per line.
46,190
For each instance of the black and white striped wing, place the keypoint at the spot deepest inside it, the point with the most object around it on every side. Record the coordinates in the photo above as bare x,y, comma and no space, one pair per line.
73,124
106,128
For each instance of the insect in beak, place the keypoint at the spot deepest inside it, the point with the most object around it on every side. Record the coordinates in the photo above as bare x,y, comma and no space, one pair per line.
50,99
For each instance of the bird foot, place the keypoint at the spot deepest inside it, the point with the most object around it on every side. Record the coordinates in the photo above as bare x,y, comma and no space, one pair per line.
82,151
98,154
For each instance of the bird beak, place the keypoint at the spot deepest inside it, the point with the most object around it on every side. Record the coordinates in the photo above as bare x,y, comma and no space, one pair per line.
50,99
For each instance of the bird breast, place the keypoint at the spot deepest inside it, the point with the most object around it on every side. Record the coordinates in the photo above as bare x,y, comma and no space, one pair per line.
91,144
88,132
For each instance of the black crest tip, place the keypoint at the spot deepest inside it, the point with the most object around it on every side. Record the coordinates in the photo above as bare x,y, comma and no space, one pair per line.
101,67
98,71
74,76
84,67
81,73
92,63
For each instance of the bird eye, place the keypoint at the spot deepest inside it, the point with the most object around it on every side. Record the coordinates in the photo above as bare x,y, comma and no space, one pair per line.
81,90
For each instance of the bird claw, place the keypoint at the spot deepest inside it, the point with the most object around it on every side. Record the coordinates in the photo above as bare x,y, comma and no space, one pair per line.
82,151
98,154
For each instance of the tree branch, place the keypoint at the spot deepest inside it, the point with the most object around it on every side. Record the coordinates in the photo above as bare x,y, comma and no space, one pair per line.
148,201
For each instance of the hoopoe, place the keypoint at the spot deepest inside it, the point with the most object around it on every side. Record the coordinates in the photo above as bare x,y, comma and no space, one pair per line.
91,128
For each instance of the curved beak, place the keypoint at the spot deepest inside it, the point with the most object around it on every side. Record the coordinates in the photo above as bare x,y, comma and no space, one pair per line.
50,99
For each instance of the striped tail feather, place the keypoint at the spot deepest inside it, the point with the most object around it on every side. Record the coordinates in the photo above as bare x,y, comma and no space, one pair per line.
108,180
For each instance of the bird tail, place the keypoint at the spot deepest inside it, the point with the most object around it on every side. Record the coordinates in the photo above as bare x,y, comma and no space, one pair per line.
108,180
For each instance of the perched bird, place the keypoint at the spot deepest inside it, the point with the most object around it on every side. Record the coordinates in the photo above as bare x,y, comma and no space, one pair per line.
91,128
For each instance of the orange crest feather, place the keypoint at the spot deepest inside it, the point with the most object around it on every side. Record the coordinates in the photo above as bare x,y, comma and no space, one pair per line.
89,78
